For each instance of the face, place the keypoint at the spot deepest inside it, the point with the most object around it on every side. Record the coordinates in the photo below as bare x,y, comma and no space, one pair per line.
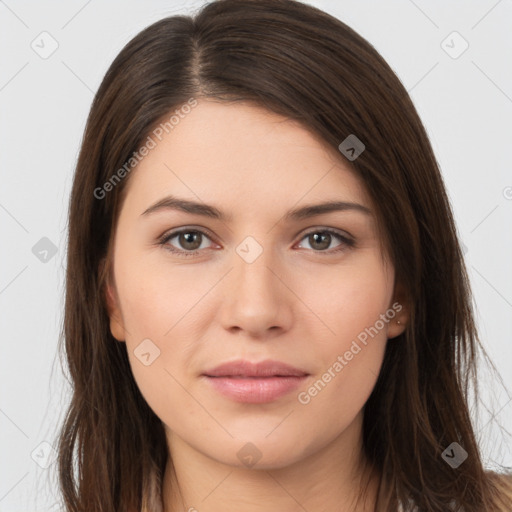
239,276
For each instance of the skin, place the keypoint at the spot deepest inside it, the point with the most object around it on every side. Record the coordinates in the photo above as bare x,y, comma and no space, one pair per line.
299,302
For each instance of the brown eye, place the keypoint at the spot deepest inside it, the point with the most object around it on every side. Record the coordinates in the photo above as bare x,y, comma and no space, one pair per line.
188,242
320,240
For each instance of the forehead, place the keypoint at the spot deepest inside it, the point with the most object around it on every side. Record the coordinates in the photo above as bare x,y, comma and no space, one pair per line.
243,156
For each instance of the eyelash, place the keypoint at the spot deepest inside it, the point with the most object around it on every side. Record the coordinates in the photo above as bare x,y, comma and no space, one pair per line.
163,241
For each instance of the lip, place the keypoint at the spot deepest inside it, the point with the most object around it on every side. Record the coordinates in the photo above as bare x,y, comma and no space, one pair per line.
244,381
244,368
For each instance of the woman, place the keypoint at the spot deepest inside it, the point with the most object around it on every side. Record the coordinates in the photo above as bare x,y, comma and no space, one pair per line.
266,305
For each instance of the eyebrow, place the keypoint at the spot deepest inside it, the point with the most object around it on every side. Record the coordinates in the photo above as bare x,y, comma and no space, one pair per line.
188,206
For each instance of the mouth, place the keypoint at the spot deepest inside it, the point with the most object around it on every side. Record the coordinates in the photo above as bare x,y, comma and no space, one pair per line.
256,383
255,390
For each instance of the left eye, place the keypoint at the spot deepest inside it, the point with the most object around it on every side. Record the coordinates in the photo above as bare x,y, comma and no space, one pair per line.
320,240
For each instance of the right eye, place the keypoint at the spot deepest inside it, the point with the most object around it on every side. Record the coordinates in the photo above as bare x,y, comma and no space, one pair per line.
190,240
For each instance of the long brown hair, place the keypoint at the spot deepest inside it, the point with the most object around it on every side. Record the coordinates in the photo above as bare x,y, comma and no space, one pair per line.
302,63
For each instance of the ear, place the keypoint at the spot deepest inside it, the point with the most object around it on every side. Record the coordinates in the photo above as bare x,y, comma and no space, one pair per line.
401,308
112,304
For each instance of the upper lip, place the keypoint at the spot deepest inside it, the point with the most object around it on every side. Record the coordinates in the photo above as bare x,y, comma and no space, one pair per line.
244,368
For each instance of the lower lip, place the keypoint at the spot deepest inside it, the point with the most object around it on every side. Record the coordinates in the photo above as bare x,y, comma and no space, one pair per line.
255,390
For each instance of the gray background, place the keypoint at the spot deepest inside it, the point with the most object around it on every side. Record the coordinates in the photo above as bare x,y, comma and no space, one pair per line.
465,104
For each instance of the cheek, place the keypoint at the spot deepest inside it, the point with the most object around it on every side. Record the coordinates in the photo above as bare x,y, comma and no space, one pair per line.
158,340
354,335
345,379
159,299
160,307
349,299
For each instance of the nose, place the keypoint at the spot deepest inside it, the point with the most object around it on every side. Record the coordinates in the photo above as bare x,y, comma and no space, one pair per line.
258,301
